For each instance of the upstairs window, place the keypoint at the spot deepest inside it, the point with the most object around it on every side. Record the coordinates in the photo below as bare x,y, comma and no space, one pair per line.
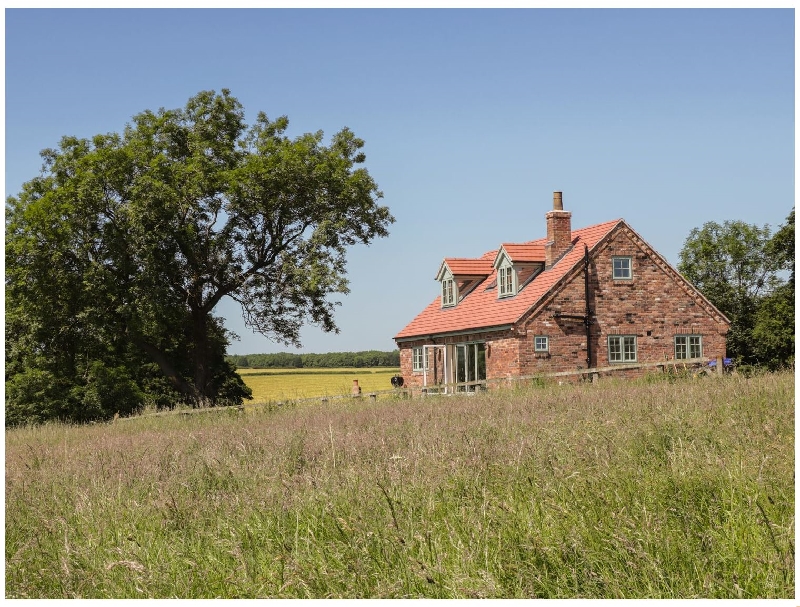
448,292
621,268
505,281
541,343
688,346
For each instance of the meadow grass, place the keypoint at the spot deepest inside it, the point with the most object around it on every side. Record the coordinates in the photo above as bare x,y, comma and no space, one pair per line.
292,384
617,490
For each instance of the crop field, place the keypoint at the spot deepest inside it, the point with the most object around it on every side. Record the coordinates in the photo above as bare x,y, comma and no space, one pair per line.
656,488
288,384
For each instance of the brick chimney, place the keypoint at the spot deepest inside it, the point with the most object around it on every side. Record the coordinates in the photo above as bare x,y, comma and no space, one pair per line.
559,231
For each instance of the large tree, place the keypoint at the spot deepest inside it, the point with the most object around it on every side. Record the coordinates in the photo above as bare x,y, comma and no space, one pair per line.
121,249
738,267
773,331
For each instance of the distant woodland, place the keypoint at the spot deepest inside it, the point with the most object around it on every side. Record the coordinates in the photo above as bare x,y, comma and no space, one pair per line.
285,360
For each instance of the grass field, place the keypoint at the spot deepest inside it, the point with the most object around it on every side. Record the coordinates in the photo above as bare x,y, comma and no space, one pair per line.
288,384
615,490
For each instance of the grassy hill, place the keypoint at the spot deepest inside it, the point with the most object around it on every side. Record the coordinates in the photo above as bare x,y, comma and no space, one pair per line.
642,489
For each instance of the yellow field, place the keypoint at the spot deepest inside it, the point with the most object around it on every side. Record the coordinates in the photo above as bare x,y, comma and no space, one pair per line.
287,384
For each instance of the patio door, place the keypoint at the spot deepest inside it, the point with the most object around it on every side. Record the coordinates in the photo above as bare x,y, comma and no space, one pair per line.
470,365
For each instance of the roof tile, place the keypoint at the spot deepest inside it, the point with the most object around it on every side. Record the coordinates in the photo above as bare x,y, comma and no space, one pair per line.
469,267
526,251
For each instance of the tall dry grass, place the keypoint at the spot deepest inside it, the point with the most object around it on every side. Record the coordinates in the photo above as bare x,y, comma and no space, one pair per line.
639,489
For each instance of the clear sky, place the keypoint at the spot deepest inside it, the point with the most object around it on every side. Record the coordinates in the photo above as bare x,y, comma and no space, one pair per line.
471,118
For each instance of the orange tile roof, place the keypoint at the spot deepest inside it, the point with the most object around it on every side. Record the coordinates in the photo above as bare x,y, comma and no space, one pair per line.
527,251
481,308
460,266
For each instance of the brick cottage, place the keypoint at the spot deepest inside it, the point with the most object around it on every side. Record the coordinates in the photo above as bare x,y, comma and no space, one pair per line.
578,300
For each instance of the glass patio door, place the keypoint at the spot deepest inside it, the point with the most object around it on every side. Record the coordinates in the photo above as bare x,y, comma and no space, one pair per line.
470,365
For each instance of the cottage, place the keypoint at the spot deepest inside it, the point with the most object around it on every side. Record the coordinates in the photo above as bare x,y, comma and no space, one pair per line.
578,300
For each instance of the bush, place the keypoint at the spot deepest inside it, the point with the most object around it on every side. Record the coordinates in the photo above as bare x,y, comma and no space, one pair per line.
108,391
33,396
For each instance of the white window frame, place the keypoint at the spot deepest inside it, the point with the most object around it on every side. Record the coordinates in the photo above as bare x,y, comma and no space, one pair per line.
692,343
449,292
536,343
506,281
419,359
624,273
621,352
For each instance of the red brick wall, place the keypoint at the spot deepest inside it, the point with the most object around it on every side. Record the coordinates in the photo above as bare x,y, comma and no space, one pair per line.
652,306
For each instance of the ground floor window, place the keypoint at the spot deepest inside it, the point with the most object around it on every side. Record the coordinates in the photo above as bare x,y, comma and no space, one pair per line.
541,343
621,348
420,359
688,346
470,365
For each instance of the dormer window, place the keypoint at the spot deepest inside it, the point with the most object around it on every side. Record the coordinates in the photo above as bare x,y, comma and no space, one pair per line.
459,276
449,292
517,265
505,281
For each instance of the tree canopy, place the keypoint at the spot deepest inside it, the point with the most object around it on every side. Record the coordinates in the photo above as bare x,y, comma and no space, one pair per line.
742,269
119,252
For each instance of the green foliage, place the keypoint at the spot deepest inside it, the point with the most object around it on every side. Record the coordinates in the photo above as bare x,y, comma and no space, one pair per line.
738,267
32,396
121,249
773,330
329,360
781,246
107,391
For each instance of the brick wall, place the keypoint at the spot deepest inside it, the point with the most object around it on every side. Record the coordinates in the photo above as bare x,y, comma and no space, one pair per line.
653,306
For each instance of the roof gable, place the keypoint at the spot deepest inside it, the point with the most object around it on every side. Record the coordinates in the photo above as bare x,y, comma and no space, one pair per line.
682,282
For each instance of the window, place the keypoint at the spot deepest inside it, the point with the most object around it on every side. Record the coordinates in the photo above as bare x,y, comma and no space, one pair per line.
448,292
505,278
688,346
621,348
541,343
622,268
420,359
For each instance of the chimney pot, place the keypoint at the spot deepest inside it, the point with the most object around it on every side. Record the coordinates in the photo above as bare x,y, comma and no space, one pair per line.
558,204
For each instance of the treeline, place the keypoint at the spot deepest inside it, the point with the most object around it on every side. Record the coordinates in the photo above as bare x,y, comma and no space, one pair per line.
286,360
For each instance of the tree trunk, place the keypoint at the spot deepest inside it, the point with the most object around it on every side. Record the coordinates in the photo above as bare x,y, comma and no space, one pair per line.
158,357
201,355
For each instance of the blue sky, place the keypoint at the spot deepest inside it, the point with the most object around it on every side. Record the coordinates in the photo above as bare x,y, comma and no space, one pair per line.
471,118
